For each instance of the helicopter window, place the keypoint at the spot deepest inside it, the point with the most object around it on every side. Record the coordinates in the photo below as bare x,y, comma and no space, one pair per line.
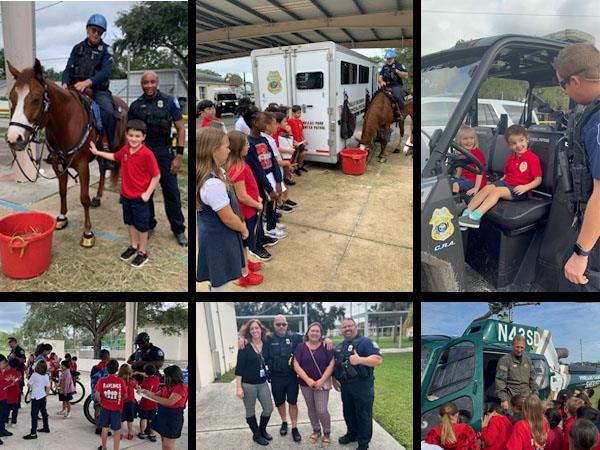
454,370
425,352
542,373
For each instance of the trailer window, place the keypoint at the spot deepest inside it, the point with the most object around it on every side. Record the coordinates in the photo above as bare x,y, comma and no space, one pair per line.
454,370
309,80
348,73
363,74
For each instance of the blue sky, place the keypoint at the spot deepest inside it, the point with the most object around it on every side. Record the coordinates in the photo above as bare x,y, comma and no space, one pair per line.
568,322
12,315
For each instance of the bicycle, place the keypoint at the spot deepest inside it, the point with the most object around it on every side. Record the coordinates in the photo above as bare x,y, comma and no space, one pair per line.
78,395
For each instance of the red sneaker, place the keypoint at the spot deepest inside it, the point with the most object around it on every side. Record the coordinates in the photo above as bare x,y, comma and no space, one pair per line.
130,437
252,279
254,266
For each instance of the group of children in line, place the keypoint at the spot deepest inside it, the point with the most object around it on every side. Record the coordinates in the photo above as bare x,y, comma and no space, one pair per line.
241,190
522,173
569,423
159,410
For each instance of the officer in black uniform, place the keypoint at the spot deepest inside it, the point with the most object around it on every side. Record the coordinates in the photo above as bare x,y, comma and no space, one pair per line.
89,66
355,359
146,353
391,75
581,262
158,111
17,352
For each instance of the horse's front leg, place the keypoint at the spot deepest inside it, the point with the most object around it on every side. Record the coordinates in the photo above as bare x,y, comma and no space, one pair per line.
382,158
61,220
88,239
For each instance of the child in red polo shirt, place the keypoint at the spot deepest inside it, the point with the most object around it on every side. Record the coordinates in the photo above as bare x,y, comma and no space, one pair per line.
111,392
522,173
465,180
496,428
139,175
297,126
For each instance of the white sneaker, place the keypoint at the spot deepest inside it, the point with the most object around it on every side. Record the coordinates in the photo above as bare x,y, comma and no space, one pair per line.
281,226
61,413
13,425
68,415
276,233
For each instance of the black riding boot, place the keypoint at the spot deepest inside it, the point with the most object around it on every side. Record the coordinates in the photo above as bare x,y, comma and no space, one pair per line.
263,427
256,434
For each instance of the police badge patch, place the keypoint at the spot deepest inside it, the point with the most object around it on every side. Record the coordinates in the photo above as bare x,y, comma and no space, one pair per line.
160,103
441,220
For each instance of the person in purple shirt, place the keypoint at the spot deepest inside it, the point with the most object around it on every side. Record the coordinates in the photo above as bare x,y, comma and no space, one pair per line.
314,365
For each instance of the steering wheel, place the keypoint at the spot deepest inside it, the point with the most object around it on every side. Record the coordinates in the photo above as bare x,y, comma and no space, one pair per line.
469,158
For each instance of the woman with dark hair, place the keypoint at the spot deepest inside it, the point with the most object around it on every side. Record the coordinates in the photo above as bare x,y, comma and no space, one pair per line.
314,365
251,380
171,404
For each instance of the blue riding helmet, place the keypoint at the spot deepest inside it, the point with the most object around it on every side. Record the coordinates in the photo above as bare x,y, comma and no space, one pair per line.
98,20
390,54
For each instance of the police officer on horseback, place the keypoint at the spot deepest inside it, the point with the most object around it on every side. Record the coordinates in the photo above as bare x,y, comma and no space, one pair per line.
391,75
89,66
355,359
158,111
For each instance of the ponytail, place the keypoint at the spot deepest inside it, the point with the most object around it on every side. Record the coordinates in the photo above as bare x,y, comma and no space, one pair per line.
447,433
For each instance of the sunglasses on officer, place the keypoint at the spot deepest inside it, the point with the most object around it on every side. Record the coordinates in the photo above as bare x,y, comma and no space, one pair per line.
567,80
95,30
281,324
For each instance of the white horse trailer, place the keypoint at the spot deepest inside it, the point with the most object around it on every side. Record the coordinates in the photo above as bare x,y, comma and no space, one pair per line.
315,76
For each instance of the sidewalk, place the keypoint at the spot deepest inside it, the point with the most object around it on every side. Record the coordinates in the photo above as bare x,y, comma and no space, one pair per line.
220,424
397,350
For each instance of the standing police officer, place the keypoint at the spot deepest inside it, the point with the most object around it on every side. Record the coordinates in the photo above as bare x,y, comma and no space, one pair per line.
391,75
355,359
515,374
89,66
158,111
578,72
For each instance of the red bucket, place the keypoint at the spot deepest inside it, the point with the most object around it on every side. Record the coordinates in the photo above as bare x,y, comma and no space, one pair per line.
26,244
354,161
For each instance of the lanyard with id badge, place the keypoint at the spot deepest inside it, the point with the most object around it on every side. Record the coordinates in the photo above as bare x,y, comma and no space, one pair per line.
264,369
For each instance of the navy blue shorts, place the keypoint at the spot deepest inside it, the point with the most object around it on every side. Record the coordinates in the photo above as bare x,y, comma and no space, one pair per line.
110,419
136,212
146,415
65,398
128,412
463,184
168,422
284,389
515,197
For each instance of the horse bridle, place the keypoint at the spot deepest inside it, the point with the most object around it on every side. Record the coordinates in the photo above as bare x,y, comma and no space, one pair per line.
36,126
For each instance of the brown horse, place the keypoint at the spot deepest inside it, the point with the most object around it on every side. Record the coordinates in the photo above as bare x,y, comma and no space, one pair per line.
378,120
38,103
408,111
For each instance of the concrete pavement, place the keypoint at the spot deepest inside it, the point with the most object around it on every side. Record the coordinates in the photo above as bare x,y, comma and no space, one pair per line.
221,424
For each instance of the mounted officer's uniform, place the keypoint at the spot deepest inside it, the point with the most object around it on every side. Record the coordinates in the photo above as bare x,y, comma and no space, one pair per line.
393,80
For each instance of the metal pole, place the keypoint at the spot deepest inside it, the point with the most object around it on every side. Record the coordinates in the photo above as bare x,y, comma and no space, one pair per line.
305,316
400,345
128,68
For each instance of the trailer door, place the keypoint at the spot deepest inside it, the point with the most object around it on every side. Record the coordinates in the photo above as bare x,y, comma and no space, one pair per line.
311,92
273,84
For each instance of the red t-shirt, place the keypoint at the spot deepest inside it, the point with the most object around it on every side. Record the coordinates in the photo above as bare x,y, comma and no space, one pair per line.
151,384
205,121
567,428
4,382
470,175
496,434
101,365
554,440
180,389
247,177
521,438
137,170
522,169
465,438
73,366
131,391
297,129
13,391
112,392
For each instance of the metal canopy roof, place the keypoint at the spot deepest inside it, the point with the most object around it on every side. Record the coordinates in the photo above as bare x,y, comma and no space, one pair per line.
233,28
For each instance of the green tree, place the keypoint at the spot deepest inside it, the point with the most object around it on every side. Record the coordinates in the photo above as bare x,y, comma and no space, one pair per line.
150,28
54,319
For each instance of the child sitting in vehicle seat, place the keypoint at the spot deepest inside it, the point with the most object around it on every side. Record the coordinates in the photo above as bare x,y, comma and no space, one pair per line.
522,173
466,181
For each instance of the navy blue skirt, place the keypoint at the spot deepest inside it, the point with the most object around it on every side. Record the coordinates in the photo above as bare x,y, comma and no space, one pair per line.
168,422
128,412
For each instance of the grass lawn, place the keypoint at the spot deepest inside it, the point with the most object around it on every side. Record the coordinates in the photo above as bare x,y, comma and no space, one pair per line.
393,397
383,342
